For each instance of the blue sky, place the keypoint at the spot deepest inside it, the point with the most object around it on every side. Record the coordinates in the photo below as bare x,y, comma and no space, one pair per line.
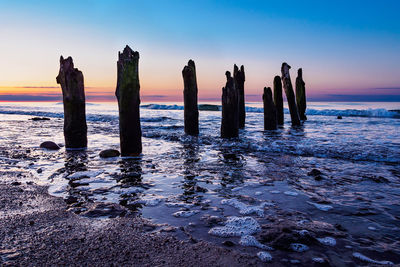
344,47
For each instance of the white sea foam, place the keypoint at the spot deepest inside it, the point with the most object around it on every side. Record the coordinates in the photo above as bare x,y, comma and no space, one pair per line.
318,260
291,193
264,256
236,226
369,260
178,205
246,209
251,241
84,174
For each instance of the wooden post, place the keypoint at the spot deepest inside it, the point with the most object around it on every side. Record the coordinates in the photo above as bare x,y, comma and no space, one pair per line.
278,99
75,128
230,114
190,90
301,95
239,77
270,119
287,85
128,96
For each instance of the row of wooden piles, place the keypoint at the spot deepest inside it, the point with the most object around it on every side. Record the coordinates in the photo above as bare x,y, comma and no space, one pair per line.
128,96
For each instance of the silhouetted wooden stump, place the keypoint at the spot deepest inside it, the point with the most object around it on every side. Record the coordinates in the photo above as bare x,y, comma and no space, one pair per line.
239,77
71,81
278,100
128,96
270,119
287,85
230,112
190,90
301,95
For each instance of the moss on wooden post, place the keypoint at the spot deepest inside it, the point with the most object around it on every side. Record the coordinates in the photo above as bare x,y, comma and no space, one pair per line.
128,95
191,112
287,85
75,128
278,100
230,114
270,120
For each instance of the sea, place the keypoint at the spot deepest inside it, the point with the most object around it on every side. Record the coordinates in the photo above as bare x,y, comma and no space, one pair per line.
327,191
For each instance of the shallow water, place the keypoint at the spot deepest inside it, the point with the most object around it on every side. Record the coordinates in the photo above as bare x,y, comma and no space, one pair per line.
199,183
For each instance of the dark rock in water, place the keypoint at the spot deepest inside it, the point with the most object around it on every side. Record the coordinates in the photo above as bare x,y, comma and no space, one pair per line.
287,85
239,77
109,153
105,210
270,119
301,95
49,145
339,117
314,172
191,112
15,183
230,111
71,199
278,99
40,119
31,223
39,170
71,81
128,95
228,243
340,227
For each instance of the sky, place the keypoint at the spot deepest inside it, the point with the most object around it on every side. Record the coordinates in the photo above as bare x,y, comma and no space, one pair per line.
349,50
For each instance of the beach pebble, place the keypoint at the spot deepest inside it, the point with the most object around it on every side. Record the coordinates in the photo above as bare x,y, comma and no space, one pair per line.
109,153
297,247
264,256
369,260
320,206
185,214
49,145
251,241
275,192
318,260
327,241
236,226
291,193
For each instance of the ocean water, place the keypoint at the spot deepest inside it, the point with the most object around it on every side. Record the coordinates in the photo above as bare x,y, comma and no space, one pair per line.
335,181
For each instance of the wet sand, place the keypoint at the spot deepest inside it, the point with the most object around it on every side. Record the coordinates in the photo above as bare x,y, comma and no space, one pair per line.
37,230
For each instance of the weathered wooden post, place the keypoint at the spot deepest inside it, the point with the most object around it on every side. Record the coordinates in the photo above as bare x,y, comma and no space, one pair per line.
270,119
128,96
301,95
230,112
239,77
278,99
287,85
191,111
75,128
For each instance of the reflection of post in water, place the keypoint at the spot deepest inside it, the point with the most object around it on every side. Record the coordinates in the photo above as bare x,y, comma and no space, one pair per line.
131,172
189,184
130,176
75,162
233,167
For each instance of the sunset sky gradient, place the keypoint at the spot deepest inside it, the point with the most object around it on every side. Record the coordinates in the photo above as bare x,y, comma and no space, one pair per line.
349,50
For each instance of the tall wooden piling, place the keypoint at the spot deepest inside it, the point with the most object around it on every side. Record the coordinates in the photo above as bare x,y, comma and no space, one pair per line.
278,100
240,78
128,95
301,95
190,90
270,118
287,85
71,81
230,112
